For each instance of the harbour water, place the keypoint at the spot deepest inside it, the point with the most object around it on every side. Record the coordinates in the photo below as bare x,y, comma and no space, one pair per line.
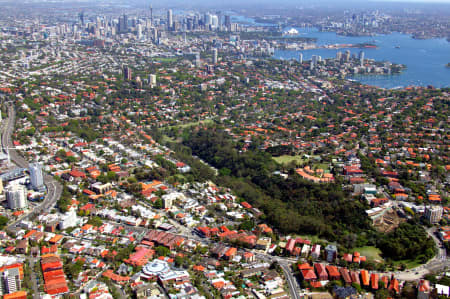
425,60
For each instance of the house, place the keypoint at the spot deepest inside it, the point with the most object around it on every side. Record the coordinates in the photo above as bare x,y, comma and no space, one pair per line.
348,257
394,286
423,289
248,257
305,266
385,281
333,273
345,274
290,245
315,251
230,253
22,246
374,281
308,275
321,271
355,277
365,278
263,244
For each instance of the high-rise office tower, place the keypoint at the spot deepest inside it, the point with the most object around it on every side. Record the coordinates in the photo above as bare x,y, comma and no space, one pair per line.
228,22
215,52
127,73
139,31
36,177
214,21
197,60
347,56
208,19
300,58
314,60
361,58
16,197
169,20
339,56
81,15
125,22
151,15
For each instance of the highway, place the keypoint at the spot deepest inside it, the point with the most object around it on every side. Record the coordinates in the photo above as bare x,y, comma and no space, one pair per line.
54,188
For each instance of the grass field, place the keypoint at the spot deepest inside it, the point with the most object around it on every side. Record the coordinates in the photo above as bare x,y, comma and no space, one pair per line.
286,159
323,166
370,252
409,263
196,123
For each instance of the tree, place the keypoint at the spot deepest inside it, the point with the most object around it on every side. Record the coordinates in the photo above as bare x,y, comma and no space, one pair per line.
3,221
162,251
95,221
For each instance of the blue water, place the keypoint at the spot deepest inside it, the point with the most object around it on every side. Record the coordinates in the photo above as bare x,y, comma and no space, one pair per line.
249,21
425,59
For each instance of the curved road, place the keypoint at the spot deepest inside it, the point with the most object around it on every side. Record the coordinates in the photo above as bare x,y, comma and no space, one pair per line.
54,188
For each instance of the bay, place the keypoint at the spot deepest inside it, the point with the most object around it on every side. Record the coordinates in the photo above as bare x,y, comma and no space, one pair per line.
425,59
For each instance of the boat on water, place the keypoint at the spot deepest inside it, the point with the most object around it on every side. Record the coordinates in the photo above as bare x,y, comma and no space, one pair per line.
397,47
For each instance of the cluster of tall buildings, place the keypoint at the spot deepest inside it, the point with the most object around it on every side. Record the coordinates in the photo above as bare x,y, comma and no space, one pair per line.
206,21
16,194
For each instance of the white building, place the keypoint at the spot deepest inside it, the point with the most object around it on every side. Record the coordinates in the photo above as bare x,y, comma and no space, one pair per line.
16,197
10,281
215,52
434,213
36,177
152,80
69,219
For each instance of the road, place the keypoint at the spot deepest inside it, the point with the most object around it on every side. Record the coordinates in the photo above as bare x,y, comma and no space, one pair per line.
34,283
54,188
439,263
285,264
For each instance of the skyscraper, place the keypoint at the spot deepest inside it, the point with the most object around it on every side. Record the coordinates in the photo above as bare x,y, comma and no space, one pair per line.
127,74
361,58
123,24
169,20
300,58
347,56
139,31
214,21
151,15
215,52
36,178
81,15
197,60
314,61
228,22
